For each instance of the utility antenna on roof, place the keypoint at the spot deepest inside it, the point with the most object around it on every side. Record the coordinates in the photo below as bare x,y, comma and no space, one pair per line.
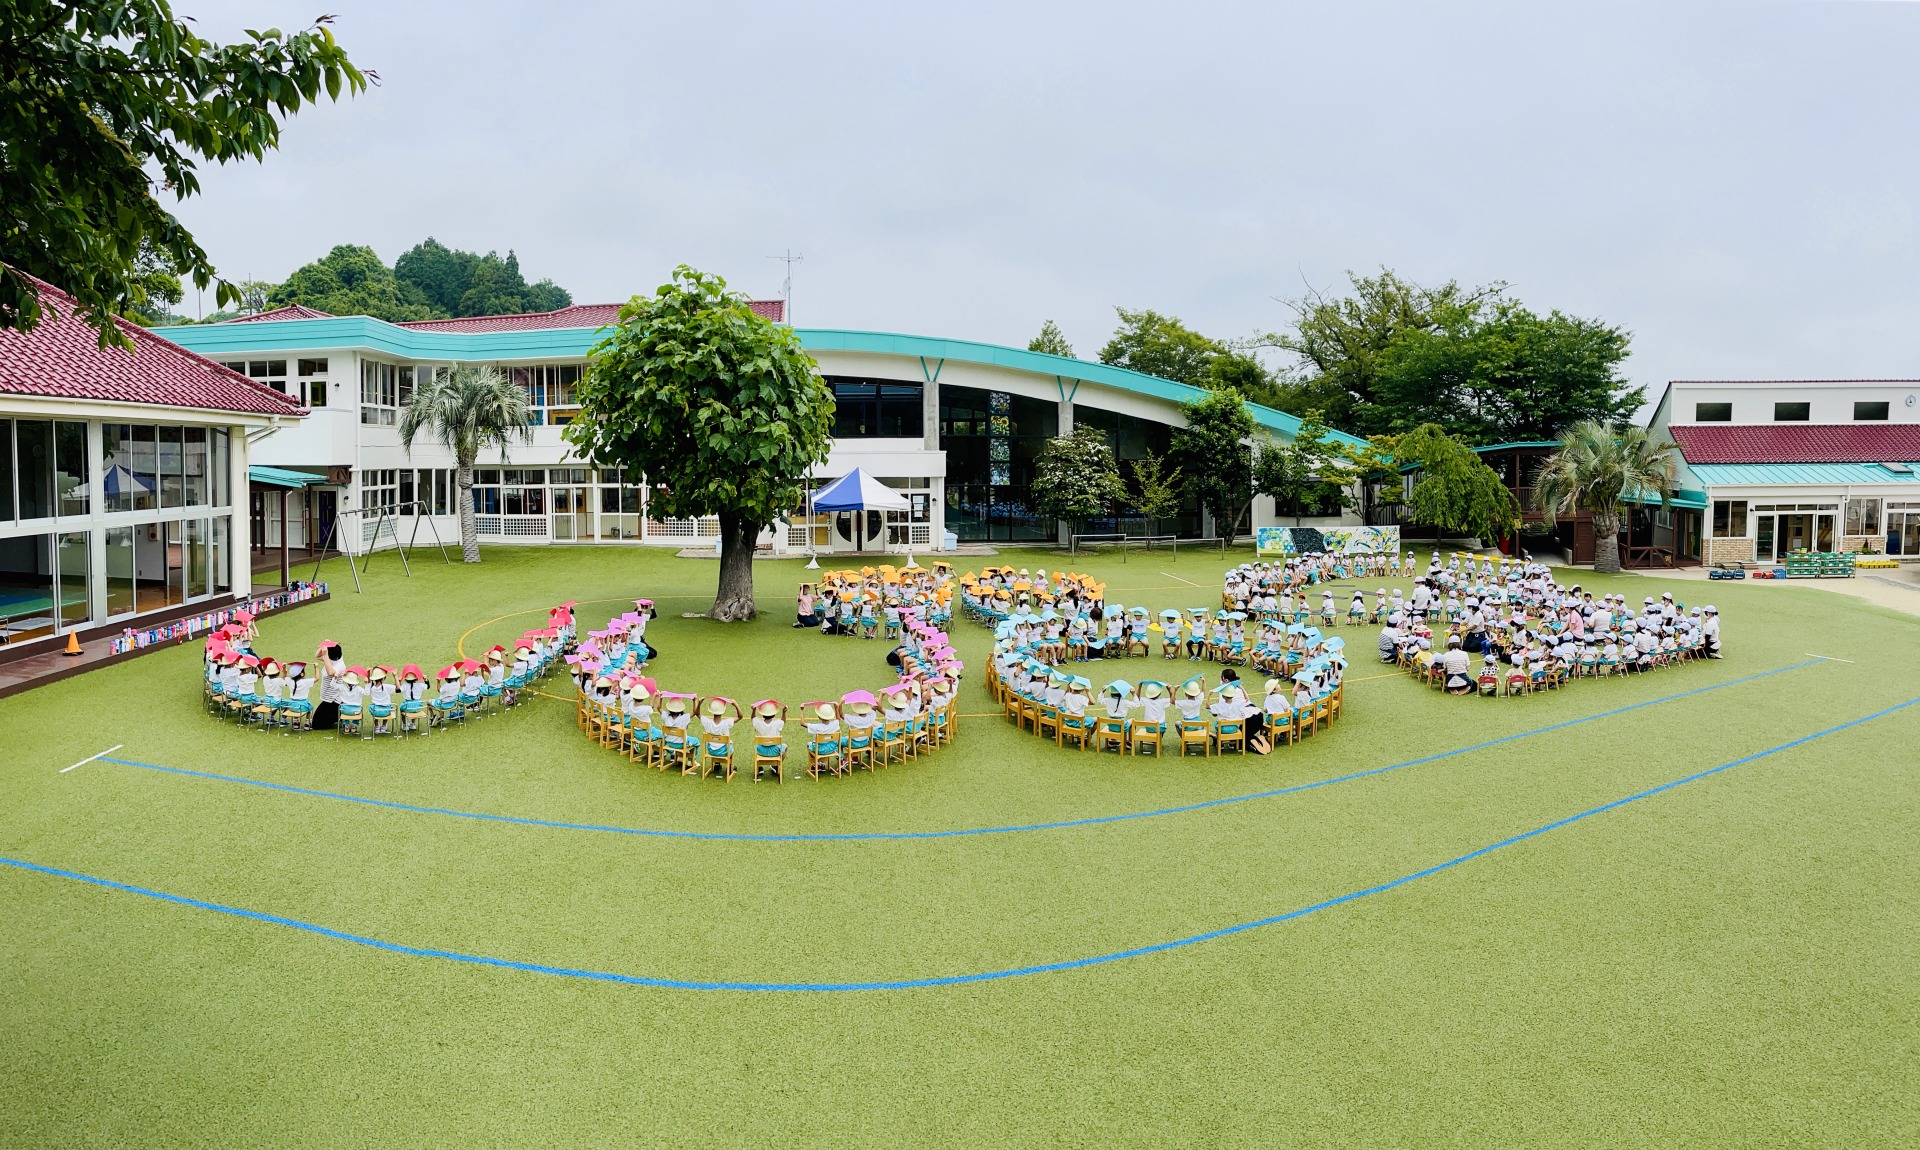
786,289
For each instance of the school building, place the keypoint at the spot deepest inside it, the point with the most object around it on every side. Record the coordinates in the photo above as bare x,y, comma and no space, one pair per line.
953,425
1793,465
123,479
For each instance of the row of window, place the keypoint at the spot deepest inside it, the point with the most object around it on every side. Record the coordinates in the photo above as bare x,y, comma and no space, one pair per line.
45,468
1864,515
1792,411
50,580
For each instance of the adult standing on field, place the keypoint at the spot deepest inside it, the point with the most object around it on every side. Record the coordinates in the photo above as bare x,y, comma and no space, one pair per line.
333,685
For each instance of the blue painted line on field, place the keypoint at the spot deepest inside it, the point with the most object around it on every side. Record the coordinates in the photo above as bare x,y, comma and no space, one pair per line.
940,980
881,836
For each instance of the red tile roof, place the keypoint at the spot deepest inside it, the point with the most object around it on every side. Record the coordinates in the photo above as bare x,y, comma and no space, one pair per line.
1798,442
291,311
61,358
578,315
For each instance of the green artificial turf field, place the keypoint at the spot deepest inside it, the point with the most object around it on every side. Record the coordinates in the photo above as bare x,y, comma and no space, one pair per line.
1730,962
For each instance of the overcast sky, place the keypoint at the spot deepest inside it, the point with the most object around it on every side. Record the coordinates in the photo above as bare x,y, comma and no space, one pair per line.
1735,183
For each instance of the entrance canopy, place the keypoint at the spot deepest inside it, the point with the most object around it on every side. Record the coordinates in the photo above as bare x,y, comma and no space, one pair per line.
858,491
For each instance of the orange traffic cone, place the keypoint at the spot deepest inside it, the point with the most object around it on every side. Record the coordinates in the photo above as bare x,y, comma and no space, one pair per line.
73,642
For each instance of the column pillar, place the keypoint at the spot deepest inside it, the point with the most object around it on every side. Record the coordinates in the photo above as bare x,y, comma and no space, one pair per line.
239,535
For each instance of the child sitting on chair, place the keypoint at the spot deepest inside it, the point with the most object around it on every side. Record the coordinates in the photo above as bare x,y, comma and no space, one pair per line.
716,725
638,710
1153,706
769,724
1073,701
823,732
379,693
1192,699
413,697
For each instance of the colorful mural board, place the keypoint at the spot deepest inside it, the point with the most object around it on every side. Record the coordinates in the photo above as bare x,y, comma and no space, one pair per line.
1283,542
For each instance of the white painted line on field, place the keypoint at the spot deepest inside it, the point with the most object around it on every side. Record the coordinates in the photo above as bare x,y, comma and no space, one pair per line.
90,758
1171,575
1830,658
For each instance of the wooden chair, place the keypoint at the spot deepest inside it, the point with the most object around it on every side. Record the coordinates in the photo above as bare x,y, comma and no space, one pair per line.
643,745
1146,735
1047,721
679,748
717,764
825,757
1080,733
1282,729
1195,733
1029,714
857,749
1230,735
1110,733
889,739
762,761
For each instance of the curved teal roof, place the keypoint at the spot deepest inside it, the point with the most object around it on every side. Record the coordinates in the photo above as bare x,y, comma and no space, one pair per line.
363,333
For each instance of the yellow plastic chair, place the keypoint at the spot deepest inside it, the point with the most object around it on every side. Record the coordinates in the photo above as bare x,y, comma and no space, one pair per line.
1109,732
890,739
1230,736
1147,735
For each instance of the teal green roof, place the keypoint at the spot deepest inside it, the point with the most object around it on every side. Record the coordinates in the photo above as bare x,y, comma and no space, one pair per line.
1799,474
281,477
1682,497
362,333
1522,443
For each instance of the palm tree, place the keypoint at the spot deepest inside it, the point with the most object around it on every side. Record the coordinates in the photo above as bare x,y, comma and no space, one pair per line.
469,409
1596,468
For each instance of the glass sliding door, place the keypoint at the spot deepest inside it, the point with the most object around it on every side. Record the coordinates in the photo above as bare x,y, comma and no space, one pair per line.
73,561
197,570
119,572
26,586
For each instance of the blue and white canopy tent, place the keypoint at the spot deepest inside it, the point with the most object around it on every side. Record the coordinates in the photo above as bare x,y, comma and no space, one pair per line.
856,491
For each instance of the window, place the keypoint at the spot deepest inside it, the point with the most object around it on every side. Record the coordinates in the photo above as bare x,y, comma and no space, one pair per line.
1863,516
70,467
313,383
272,372
6,470
1870,409
172,460
552,392
1729,519
876,409
1713,413
380,392
1795,412
196,465
379,490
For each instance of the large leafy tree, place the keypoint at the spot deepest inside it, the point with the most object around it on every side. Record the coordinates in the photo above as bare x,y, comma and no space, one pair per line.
1596,468
1454,490
1214,453
723,411
1162,345
351,280
109,107
1075,476
1507,375
1339,340
1308,472
463,283
468,409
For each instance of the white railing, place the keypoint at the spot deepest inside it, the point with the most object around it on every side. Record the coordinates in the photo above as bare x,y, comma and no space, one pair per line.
797,535
511,526
704,528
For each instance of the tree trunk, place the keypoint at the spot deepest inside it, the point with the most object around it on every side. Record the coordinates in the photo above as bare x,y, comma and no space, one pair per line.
469,531
734,603
1606,543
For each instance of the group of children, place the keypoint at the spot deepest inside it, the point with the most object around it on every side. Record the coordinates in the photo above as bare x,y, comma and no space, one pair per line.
624,708
1044,622
1529,631
326,693
876,602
